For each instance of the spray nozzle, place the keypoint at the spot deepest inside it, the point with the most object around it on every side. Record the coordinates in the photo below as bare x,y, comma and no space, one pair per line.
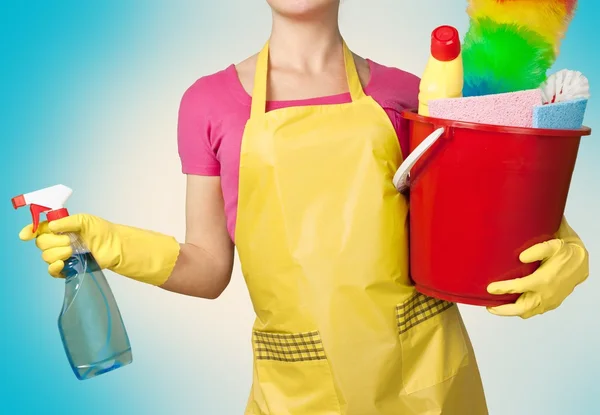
50,200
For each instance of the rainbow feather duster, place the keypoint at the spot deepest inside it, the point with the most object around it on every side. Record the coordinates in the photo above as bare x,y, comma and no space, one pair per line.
511,44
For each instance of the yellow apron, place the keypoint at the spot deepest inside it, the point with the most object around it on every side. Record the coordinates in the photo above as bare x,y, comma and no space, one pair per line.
322,238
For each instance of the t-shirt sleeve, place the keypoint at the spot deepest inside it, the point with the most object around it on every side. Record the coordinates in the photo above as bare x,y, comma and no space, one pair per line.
401,127
193,133
396,90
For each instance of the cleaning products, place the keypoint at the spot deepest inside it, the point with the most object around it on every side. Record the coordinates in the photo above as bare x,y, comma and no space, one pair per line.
512,109
562,115
443,76
510,45
90,324
565,85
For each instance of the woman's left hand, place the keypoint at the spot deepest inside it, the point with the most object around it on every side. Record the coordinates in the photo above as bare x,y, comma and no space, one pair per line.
565,264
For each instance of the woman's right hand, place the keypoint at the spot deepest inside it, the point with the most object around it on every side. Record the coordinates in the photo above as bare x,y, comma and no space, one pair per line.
201,267
135,253
56,247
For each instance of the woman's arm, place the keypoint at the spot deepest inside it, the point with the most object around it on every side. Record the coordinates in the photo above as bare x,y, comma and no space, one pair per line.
200,267
203,268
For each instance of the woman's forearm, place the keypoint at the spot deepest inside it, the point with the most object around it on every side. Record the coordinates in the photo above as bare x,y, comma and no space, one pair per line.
198,273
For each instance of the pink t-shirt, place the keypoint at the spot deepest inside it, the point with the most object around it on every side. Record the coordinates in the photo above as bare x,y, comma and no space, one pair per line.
215,109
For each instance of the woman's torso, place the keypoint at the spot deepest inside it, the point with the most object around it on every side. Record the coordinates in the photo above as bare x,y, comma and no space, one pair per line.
215,109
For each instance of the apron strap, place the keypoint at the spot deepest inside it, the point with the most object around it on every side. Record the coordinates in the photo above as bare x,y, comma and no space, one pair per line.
354,85
259,92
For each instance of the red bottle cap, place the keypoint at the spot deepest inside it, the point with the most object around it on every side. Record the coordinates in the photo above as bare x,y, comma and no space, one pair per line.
445,43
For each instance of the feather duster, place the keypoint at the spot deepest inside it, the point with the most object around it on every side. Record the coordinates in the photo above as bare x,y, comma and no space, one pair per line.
511,44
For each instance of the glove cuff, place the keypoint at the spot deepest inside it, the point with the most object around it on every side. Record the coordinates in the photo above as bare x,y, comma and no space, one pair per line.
566,233
146,256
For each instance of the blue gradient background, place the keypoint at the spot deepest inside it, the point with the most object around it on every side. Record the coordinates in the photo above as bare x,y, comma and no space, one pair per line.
89,94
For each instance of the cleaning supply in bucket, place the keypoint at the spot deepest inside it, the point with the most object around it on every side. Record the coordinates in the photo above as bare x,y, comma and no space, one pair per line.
90,324
565,96
485,190
560,103
443,75
561,115
565,85
510,109
548,18
510,45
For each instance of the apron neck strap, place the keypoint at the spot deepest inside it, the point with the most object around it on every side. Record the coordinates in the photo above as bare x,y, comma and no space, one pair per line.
354,85
259,92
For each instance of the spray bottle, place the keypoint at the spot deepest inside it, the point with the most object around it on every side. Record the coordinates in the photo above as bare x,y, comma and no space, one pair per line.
90,323
443,76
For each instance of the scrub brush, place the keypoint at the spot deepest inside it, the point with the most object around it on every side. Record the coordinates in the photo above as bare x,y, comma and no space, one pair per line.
565,85
511,44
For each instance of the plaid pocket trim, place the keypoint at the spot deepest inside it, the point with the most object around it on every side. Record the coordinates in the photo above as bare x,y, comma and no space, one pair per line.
284,347
417,309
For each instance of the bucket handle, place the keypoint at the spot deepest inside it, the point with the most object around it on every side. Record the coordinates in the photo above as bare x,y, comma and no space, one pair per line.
401,178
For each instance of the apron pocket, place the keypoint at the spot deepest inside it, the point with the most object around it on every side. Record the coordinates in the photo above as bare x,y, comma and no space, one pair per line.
293,374
433,343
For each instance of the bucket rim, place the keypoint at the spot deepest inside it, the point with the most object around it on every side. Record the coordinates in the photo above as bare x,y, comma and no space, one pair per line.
412,115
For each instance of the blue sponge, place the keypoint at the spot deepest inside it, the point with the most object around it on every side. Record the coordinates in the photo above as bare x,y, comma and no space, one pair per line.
565,115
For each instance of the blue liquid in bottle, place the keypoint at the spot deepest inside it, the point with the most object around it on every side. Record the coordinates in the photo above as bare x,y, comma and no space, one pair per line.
90,323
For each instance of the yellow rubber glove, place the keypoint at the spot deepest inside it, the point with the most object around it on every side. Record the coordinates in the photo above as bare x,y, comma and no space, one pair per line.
142,255
565,264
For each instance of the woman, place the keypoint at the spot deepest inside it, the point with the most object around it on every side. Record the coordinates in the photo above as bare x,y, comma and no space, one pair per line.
304,187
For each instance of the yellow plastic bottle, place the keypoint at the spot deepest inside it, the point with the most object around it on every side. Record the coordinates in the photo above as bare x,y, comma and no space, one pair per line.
443,76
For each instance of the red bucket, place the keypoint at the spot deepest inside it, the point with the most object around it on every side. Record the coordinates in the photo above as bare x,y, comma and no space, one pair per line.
480,195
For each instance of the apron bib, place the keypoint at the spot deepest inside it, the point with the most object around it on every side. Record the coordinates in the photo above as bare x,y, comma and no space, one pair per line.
322,236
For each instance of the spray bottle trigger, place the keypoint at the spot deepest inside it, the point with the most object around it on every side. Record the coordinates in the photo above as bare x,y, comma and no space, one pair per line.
36,211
